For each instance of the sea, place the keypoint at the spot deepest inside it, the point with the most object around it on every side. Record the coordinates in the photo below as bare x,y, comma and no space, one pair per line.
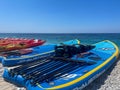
85,38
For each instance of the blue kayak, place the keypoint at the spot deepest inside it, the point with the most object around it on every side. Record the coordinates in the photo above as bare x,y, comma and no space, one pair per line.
70,68
39,52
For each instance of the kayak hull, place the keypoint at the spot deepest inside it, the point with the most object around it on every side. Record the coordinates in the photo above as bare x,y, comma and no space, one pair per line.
8,44
105,49
39,52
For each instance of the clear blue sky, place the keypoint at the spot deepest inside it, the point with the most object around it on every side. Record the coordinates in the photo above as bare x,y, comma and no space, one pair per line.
59,16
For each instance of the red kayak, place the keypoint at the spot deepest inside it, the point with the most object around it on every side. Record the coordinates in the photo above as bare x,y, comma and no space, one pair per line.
8,44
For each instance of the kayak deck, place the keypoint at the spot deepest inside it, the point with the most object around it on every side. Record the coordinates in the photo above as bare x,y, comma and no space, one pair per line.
9,44
33,51
54,68
47,69
59,73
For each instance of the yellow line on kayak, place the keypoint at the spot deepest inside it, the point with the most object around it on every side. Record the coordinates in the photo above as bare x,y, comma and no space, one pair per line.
89,73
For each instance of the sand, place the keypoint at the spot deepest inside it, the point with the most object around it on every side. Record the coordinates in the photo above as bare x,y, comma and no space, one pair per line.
110,80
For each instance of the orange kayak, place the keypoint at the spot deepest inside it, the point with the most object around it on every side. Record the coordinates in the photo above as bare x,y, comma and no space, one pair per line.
8,44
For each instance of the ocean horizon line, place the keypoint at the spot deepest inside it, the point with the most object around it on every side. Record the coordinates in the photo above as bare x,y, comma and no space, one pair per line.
55,33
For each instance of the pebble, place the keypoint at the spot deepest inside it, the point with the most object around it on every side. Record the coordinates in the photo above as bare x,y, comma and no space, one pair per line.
110,80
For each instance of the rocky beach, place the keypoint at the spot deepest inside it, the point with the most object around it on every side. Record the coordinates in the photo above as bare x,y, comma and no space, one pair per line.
110,80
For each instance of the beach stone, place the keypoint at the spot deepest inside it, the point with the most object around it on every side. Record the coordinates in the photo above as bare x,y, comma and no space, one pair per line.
110,80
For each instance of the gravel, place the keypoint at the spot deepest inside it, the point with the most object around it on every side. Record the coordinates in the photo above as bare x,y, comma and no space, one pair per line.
110,80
